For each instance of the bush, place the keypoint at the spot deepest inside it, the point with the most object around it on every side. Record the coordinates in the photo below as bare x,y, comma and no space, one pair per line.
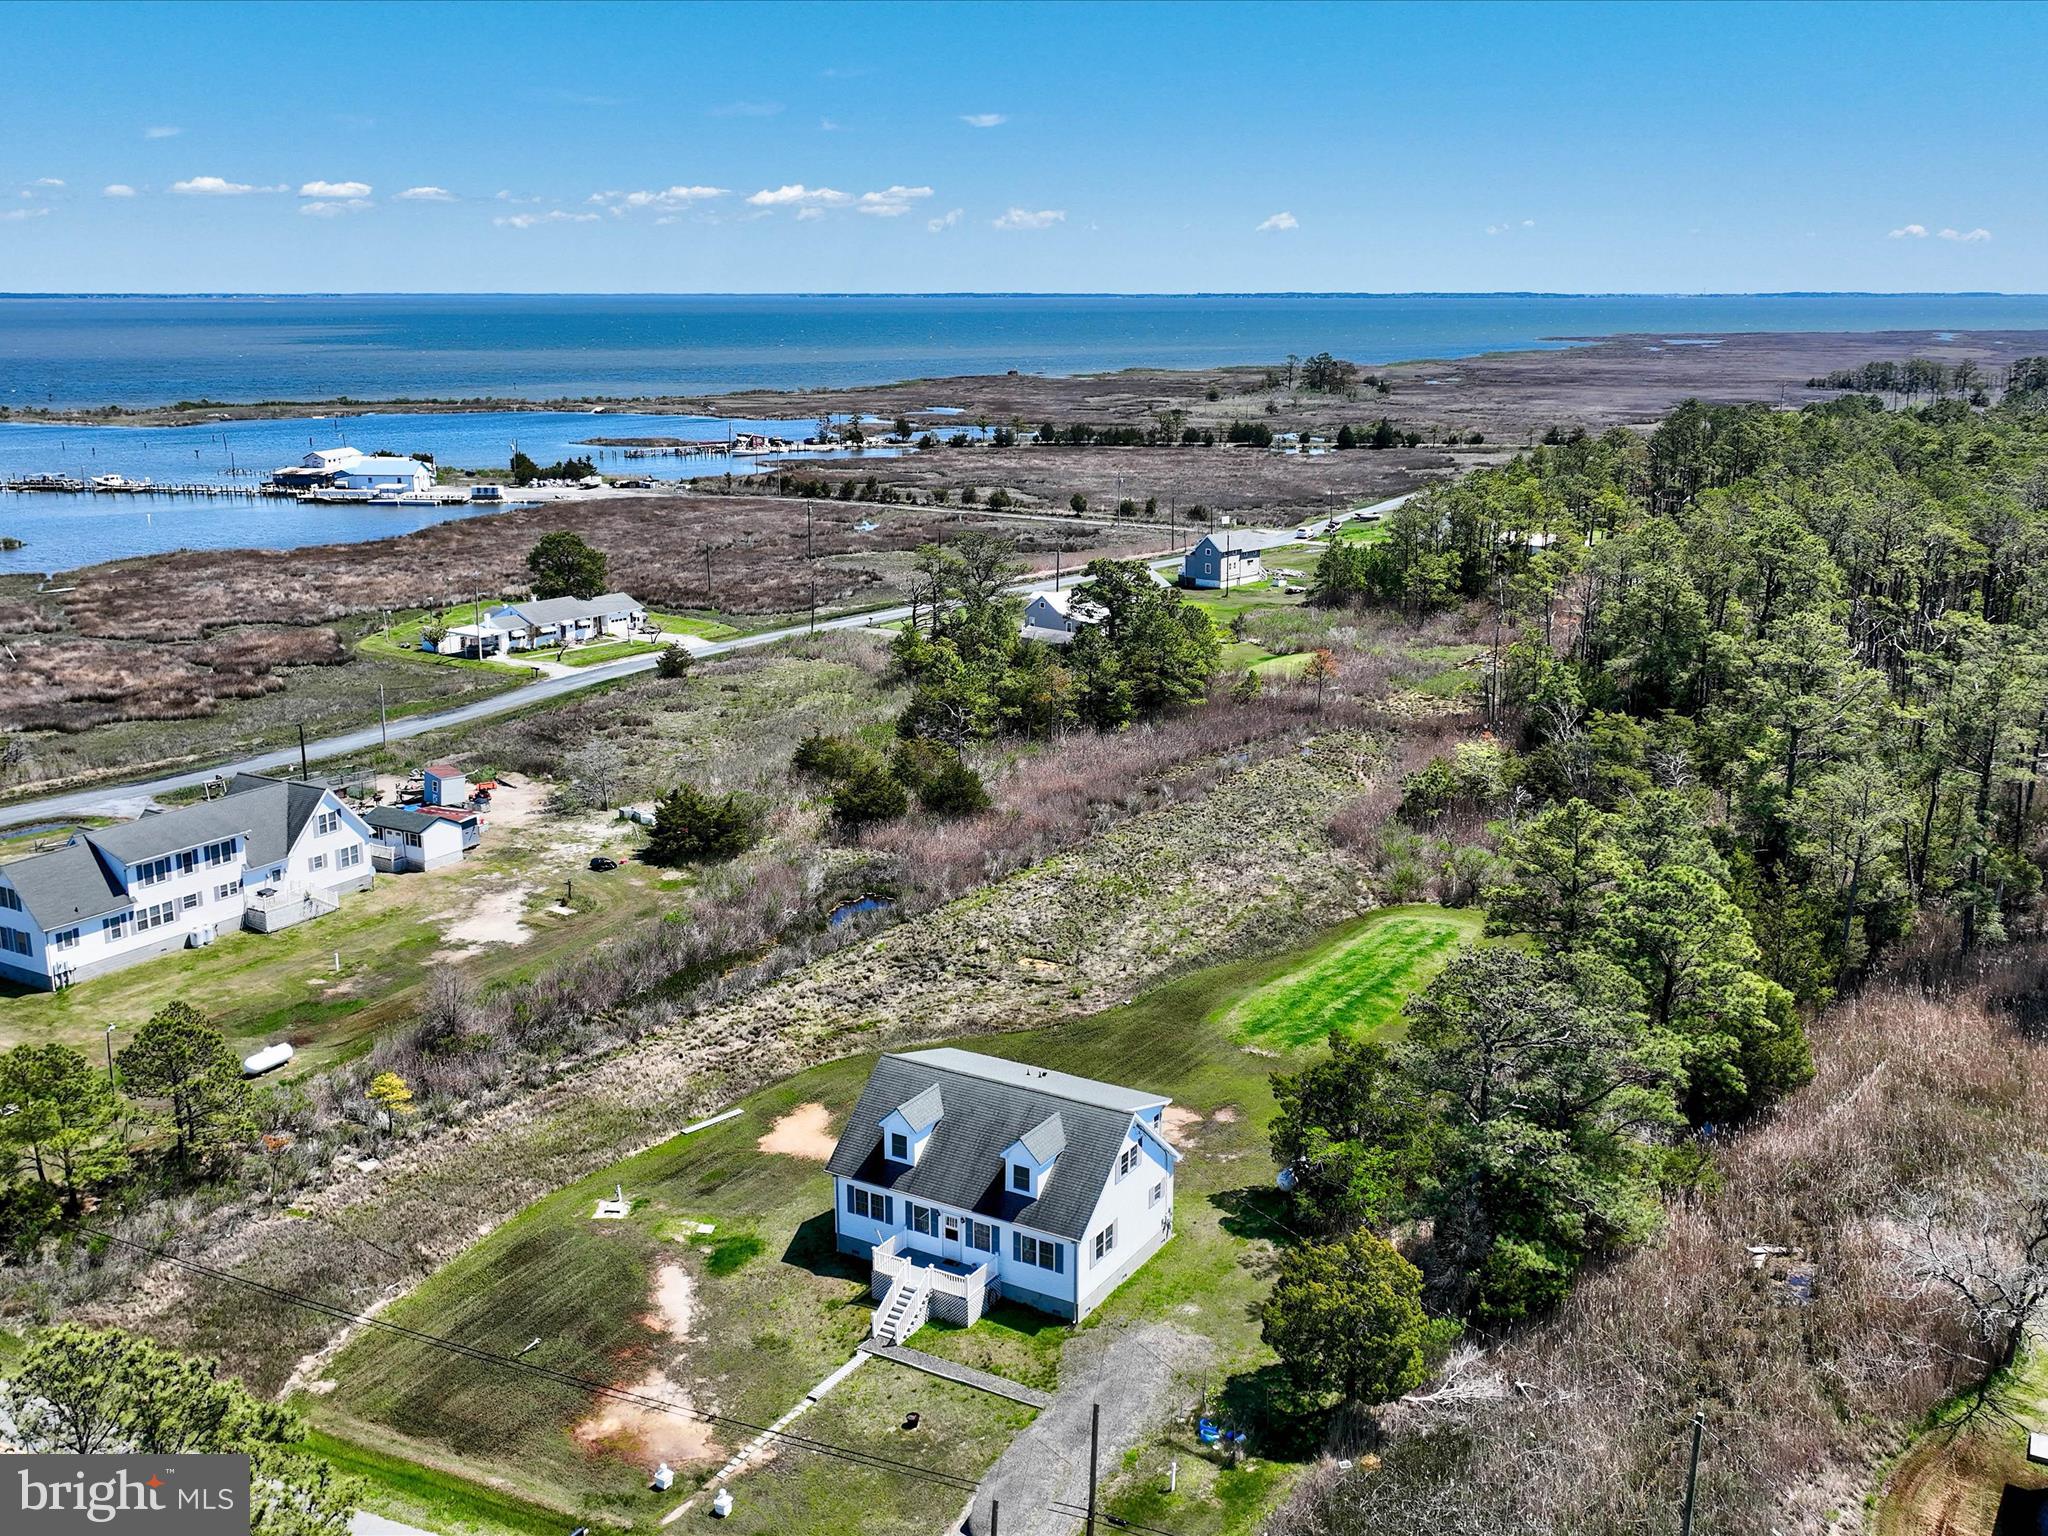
955,790
691,827
868,794
673,662
828,757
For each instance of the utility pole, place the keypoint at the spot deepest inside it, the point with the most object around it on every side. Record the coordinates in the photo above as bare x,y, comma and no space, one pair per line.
304,771
1692,1473
995,1517
110,1055
383,720
1094,1427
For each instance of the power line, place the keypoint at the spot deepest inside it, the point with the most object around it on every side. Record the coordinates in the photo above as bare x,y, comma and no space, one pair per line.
872,1460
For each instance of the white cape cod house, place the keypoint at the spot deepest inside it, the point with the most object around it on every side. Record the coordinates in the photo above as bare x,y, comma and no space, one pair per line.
1218,563
965,1177
267,854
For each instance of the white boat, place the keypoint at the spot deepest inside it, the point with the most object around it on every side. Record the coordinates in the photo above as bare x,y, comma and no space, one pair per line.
118,483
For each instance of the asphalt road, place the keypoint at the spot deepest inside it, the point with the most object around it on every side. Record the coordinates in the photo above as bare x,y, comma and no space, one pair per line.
131,798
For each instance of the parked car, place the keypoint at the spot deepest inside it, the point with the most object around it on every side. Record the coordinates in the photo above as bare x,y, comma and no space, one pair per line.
603,865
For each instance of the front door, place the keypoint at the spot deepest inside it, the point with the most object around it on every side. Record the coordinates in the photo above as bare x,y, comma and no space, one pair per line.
951,1231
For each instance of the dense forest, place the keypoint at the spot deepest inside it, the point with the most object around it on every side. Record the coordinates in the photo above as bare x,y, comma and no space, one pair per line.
1766,702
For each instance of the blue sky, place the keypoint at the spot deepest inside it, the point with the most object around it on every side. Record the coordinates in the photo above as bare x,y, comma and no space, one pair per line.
726,148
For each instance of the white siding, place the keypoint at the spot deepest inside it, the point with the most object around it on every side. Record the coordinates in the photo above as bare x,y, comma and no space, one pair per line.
1127,1204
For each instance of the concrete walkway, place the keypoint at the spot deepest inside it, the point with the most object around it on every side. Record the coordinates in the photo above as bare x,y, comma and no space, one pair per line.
760,1442
966,1375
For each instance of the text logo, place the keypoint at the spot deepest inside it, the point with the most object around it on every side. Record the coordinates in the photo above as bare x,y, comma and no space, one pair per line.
133,1495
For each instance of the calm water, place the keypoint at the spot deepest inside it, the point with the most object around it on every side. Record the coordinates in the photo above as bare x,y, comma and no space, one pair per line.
62,531
148,351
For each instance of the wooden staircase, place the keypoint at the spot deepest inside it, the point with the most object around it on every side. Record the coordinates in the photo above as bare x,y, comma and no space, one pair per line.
904,1310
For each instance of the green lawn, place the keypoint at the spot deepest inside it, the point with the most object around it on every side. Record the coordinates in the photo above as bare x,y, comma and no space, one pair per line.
611,650
1357,978
400,641
774,1308
701,625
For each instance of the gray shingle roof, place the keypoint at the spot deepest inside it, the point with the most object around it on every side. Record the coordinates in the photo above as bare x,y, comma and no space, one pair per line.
989,1104
397,818
566,610
1047,1139
64,886
76,882
923,1108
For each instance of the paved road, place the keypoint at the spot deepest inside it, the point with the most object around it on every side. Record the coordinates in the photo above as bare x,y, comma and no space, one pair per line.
130,799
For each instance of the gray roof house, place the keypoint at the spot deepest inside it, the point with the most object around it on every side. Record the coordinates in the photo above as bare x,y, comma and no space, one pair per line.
964,1176
554,621
265,854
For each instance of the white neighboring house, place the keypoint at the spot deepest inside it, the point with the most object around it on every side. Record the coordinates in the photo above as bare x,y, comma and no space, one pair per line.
267,854
418,840
382,473
558,621
963,1176
1216,563
1056,617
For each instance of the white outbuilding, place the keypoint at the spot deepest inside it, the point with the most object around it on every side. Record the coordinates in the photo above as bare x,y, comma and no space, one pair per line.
381,473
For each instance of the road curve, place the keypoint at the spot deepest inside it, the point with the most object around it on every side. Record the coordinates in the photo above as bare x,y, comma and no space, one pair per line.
130,798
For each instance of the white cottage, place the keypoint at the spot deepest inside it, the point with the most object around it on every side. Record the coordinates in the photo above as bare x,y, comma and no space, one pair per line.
380,472
266,855
1217,563
963,1177
1056,617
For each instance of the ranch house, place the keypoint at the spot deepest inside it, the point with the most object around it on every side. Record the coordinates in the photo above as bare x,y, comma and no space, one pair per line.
962,1177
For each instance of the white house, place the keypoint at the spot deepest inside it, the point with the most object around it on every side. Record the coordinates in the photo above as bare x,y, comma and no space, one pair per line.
963,1176
380,472
559,621
1056,617
330,460
1216,563
416,840
267,854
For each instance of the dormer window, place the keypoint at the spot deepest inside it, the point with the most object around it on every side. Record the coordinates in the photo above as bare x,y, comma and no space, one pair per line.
907,1129
1020,1177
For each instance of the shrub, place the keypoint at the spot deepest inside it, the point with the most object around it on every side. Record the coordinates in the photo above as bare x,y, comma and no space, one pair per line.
675,661
691,827
868,794
828,757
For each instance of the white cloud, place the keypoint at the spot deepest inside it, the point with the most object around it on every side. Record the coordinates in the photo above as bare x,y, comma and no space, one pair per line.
666,198
1025,218
826,125
161,133
335,189
1968,236
328,208
891,202
117,189
1509,226
426,195
797,195
803,214
1908,232
215,186
47,181
504,195
984,119
745,109
17,215
1281,220
945,220
554,216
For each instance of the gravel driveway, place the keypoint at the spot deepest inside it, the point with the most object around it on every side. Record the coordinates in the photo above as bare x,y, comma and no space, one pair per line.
1131,1373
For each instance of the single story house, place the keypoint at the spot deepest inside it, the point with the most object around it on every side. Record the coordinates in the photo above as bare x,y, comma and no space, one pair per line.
1056,617
381,473
316,469
552,622
1216,563
962,1176
476,641
267,854
412,839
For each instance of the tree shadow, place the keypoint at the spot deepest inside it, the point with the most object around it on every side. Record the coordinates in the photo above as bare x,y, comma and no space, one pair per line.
814,1246
1264,1403
1255,1214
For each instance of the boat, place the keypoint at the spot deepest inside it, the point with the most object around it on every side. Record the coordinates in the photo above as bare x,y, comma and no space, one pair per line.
46,483
417,499
486,493
118,483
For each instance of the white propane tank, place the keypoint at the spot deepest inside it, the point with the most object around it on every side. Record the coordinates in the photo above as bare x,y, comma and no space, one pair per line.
269,1059
722,1505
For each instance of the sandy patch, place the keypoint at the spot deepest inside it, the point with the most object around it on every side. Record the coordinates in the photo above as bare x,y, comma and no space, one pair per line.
803,1132
1227,1115
514,805
494,917
1178,1123
648,1434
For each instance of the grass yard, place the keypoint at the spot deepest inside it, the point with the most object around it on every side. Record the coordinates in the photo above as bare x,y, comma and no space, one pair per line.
1357,978
611,650
1973,1482
744,1320
399,640
261,987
